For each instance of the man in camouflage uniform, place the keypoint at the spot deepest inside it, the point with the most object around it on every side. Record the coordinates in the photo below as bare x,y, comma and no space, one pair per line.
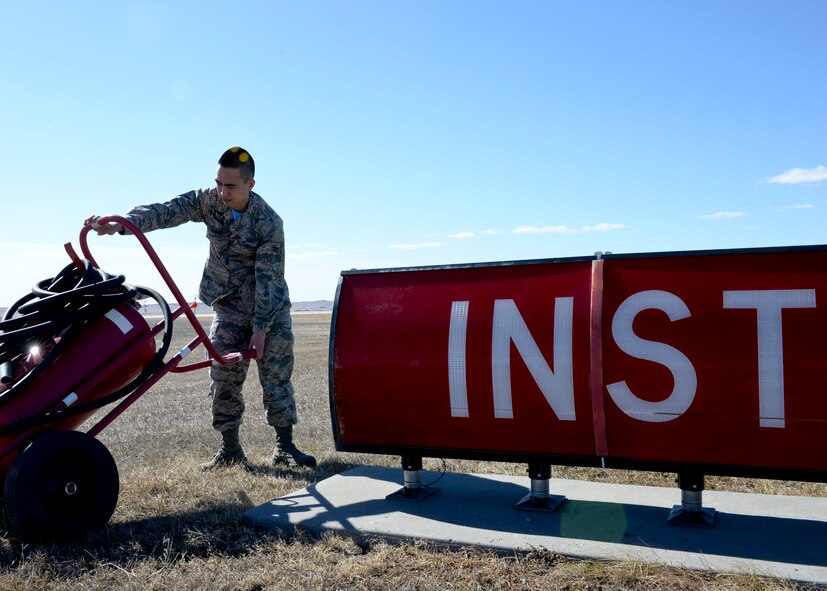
243,281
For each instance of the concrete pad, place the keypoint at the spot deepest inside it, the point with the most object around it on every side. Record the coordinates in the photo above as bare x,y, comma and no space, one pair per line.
778,536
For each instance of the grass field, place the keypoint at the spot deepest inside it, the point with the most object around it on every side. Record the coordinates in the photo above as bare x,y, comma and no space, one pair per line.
178,528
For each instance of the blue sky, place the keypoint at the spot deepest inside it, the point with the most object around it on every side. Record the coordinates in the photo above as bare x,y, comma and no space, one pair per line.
415,133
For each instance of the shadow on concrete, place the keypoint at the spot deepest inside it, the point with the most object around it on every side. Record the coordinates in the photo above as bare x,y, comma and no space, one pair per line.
481,503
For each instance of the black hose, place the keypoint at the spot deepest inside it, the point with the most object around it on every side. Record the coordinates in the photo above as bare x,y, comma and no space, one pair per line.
45,313
63,306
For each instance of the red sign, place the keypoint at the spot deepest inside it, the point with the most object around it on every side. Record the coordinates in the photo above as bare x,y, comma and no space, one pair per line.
715,359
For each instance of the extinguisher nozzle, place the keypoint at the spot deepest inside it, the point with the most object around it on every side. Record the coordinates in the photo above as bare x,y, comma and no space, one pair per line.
5,373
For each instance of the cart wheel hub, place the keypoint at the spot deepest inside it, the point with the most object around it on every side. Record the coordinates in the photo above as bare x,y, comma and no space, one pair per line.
71,488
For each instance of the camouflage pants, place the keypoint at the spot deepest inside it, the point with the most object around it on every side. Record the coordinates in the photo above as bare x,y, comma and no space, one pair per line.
231,331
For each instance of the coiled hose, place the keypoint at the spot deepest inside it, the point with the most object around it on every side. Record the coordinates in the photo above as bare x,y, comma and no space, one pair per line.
62,306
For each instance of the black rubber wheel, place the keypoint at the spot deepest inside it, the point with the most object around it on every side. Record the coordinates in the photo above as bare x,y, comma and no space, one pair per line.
61,485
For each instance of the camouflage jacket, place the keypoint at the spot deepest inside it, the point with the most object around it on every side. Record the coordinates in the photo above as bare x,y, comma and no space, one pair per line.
246,262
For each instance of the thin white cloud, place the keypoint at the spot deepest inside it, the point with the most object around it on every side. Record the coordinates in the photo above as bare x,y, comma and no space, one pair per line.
416,246
544,230
461,235
562,229
722,215
604,227
492,231
800,176
796,207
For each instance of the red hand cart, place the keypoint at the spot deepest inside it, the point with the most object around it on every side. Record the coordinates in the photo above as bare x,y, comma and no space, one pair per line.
75,345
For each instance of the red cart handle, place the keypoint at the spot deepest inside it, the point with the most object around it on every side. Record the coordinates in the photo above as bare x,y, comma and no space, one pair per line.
179,298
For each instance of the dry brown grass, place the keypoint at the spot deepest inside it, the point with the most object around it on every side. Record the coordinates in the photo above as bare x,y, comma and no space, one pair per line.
178,528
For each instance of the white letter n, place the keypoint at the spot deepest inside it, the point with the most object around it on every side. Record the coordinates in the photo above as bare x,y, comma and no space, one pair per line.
557,386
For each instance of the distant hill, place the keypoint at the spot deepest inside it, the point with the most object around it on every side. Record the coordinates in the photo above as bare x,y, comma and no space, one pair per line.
315,306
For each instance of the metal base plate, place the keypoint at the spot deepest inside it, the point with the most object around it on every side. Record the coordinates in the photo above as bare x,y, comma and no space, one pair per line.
412,494
548,504
702,518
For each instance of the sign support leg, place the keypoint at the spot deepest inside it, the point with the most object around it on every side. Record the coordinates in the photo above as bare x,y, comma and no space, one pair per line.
539,498
691,510
412,489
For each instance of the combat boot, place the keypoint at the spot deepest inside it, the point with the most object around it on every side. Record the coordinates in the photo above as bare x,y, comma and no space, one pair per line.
286,452
229,454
